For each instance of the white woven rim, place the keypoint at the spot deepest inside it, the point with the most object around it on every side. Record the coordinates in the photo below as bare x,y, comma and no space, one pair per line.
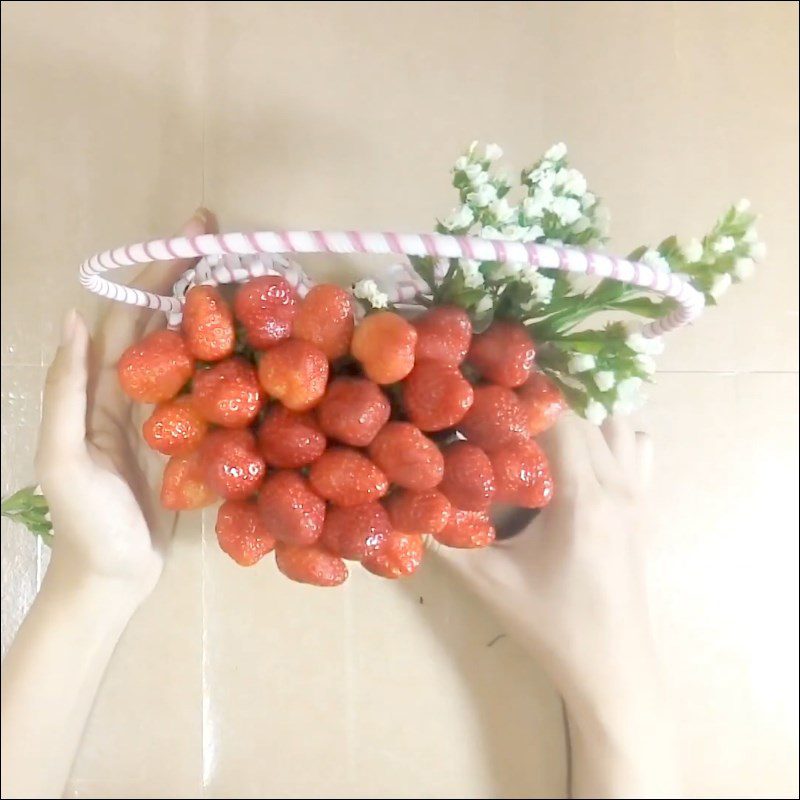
440,246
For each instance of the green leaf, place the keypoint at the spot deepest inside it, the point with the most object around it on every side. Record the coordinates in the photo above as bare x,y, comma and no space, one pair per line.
30,509
644,307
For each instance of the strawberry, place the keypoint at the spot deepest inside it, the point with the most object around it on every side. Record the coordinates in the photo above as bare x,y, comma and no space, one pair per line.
467,529
325,319
310,564
397,556
232,465
294,372
183,486
443,334
504,353
468,479
266,306
407,456
523,475
355,531
353,411
207,324
290,439
242,533
175,428
418,512
347,478
435,396
495,419
384,344
542,401
156,368
294,513
228,393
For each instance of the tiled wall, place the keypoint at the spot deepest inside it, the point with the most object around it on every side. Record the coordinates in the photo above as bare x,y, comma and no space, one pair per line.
120,118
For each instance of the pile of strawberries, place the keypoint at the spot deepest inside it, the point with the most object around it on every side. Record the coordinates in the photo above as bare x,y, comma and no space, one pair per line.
329,440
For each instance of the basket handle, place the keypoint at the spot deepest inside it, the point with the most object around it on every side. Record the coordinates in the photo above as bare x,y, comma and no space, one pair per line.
568,259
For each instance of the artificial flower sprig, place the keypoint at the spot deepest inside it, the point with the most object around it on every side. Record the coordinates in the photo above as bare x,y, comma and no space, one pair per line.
600,371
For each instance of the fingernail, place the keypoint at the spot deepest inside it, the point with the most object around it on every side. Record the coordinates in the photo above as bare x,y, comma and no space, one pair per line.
68,326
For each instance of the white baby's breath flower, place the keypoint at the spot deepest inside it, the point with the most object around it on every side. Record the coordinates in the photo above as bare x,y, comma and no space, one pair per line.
724,245
588,200
641,344
476,174
567,209
581,225
367,290
744,268
720,285
692,251
646,363
655,261
595,412
581,362
484,304
471,148
459,218
572,182
556,152
483,196
533,233
602,219
493,152
750,235
473,279
758,251
543,289
605,380
490,232
461,164
743,205
554,242
629,396
502,211
543,177
508,269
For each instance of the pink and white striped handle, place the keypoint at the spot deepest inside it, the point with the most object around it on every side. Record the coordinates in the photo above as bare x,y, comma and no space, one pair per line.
569,259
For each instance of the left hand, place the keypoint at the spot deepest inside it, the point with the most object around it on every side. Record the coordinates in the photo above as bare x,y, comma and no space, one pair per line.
99,477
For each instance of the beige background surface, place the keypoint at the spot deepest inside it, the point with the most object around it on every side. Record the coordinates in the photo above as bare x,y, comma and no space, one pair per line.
120,118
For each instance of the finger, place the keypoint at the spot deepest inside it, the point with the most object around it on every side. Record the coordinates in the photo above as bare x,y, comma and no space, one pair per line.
63,429
621,439
644,459
567,450
122,324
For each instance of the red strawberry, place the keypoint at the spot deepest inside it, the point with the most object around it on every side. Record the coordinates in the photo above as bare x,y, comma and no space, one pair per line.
294,372
522,475
228,393
325,319
468,479
234,468
311,564
183,486
495,419
242,533
407,456
353,411
397,556
175,428
418,512
207,324
384,344
504,353
467,529
156,368
347,478
294,513
355,531
266,307
290,439
542,401
435,396
443,335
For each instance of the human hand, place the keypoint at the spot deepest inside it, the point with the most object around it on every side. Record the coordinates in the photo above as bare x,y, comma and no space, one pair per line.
571,586
99,477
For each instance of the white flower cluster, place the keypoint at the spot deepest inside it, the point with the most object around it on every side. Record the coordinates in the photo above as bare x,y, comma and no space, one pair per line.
368,291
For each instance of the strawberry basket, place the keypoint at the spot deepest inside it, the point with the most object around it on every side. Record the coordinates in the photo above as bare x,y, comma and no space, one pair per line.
346,424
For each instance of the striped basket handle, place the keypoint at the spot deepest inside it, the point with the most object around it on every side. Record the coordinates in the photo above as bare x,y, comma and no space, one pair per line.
275,243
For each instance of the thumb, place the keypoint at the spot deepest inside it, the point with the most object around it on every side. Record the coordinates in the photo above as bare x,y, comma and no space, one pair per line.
63,429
